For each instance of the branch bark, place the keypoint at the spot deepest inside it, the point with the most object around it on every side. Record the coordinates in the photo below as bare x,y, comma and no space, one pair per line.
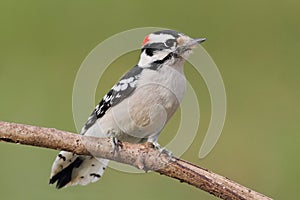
142,156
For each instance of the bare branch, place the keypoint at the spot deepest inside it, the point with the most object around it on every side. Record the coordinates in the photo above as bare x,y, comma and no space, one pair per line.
142,156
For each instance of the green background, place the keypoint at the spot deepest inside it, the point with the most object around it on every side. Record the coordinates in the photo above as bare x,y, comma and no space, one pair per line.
255,45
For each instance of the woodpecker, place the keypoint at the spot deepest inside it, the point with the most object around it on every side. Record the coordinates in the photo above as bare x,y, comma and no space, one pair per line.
136,108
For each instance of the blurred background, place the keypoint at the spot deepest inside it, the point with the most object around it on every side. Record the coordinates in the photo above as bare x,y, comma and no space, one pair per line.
255,44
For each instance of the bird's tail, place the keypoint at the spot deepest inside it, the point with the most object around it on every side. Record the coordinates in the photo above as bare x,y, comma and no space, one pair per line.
71,169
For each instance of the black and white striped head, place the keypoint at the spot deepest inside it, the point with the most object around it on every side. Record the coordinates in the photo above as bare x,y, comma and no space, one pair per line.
166,45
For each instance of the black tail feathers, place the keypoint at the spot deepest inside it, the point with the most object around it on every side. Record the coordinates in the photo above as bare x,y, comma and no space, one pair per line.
64,176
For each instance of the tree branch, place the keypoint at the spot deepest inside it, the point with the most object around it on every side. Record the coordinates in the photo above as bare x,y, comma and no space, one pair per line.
142,156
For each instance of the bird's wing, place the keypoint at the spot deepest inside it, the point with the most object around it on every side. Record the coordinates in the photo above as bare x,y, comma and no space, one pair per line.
120,91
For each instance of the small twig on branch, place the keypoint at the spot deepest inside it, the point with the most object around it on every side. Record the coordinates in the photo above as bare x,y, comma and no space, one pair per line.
142,156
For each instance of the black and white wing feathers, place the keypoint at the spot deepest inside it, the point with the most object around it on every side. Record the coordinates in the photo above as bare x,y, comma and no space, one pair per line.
120,91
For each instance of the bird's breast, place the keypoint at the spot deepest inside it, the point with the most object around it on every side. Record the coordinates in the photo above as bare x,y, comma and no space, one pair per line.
157,96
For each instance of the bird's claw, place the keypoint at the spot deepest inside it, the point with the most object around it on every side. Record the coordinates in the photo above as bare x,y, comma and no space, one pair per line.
115,143
162,150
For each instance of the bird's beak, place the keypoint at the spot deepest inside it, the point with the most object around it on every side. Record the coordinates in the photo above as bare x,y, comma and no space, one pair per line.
187,45
194,42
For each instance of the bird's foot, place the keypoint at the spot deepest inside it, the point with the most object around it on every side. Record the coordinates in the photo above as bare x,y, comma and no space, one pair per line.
162,150
115,143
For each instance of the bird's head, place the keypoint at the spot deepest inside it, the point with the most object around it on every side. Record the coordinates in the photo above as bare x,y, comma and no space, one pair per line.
165,46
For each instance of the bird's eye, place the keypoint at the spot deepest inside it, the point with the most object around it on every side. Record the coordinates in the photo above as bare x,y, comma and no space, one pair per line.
170,42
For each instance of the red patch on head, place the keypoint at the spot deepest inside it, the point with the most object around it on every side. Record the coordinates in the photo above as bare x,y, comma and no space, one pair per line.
146,40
